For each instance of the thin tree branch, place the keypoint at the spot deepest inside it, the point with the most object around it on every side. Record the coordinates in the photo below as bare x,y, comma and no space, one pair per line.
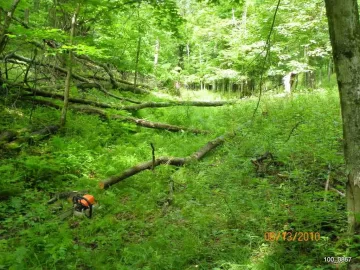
267,48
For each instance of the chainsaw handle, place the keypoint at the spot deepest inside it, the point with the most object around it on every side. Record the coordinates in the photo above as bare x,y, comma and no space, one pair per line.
77,200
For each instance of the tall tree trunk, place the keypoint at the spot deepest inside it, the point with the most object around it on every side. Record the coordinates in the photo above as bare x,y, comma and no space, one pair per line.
181,55
306,79
243,19
188,53
52,14
156,58
344,28
69,71
7,22
137,58
233,20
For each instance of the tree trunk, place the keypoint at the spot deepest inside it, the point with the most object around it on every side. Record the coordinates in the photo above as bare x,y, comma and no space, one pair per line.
181,55
69,71
137,58
344,28
3,31
243,20
138,47
330,69
156,58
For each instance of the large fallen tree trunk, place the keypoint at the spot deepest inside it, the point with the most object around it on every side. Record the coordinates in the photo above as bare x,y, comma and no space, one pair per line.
132,107
176,103
80,86
139,122
157,125
175,161
72,100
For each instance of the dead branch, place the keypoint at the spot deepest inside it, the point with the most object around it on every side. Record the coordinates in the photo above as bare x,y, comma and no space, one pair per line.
116,83
63,71
153,156
327,184
104,66
337,191
175,161
293,129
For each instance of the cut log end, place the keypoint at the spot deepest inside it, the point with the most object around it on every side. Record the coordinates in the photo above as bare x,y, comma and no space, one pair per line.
102,185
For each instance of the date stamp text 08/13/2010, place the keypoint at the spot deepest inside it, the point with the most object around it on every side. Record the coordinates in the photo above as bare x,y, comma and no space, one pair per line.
292,236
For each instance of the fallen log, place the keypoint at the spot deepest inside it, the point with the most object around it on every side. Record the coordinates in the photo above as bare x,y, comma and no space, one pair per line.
33,137
104,115
40,92
131,107
7,136
175,161
176,103
157,125
72,100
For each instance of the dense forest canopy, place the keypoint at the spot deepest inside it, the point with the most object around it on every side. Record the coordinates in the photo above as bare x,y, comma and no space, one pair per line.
200,44
179,134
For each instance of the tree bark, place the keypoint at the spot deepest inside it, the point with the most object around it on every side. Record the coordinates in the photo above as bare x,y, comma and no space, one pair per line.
344,28
175,161
69,71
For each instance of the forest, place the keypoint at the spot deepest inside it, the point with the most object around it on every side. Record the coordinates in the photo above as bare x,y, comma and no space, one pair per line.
179,134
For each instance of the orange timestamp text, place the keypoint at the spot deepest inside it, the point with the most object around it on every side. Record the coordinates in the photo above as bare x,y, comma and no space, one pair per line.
292,236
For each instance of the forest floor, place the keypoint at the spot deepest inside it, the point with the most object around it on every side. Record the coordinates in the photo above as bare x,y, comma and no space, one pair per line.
214,214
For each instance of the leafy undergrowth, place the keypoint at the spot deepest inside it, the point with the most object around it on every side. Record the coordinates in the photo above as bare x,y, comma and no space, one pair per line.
218,210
